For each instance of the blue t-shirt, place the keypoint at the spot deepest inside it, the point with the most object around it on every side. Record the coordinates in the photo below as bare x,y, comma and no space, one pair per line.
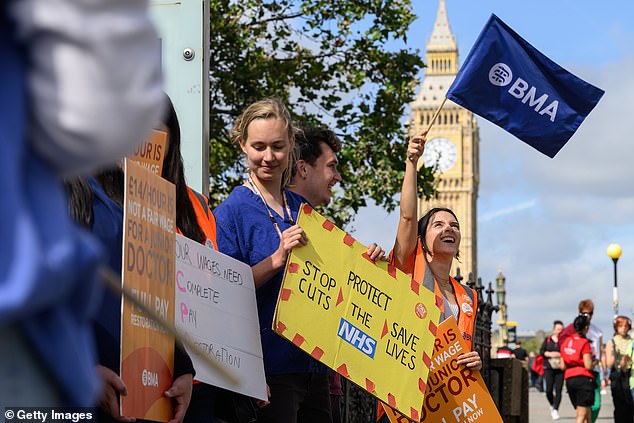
107,226
246,233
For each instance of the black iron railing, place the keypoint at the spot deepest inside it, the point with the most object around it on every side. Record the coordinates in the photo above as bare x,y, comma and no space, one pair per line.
482,338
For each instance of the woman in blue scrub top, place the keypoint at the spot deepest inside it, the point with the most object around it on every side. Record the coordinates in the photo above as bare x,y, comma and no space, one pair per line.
256,224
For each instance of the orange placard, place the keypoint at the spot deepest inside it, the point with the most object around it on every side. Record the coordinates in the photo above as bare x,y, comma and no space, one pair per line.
151,154
454,393
147,352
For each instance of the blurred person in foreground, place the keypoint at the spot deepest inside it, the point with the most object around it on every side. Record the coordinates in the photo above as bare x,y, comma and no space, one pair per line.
80,87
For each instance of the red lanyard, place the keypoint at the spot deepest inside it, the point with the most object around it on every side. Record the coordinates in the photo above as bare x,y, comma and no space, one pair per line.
268,209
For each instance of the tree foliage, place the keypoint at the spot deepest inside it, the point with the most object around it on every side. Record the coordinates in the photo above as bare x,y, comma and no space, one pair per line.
329,61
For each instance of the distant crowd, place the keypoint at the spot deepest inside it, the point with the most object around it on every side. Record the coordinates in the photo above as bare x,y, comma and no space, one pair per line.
576,354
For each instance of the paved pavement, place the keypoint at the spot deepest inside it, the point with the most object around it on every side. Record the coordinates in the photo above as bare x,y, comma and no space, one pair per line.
539,410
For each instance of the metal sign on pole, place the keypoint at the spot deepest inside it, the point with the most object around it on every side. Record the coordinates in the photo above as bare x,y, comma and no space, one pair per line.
184,37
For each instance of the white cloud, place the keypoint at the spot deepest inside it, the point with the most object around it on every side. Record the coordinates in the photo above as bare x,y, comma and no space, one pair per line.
547,222
509,210
554,255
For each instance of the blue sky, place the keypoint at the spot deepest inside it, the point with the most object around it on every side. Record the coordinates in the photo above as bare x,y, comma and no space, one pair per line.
548,222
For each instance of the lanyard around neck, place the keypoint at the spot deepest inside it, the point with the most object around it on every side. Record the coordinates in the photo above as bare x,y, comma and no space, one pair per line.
268,209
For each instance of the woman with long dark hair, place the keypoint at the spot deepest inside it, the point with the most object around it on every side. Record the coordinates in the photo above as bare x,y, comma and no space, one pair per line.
97,203
425,250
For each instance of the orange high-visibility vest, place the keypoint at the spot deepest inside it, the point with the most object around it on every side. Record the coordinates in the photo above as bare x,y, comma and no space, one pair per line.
466,297
206,221
204,217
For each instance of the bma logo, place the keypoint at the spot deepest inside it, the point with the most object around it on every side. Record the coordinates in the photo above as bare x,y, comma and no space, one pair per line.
501,75
149,378
355,337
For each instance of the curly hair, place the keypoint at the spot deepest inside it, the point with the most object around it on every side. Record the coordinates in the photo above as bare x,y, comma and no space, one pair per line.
308,144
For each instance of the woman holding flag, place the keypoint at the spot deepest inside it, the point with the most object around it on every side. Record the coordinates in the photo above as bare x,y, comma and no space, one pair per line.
426,249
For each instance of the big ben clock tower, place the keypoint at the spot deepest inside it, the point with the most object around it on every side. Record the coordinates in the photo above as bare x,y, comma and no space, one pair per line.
453,141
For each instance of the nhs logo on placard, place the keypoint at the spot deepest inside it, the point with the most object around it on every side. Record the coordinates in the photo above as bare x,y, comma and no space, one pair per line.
355,337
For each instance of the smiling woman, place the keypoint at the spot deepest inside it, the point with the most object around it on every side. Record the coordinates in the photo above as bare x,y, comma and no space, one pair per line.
425,249
256,225
267,150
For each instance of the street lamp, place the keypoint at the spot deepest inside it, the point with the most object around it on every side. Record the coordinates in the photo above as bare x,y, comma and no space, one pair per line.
501,297
614,251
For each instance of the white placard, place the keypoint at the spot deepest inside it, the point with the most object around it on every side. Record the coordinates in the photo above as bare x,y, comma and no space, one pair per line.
216,308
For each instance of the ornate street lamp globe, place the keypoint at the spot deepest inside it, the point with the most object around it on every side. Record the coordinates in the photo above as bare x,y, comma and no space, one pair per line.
501,296
614,251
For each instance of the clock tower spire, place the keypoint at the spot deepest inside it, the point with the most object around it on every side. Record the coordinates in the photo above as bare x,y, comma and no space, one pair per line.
453,142
442,50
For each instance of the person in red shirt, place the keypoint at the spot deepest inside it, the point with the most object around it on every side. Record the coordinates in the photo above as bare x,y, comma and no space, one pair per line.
577,357
595,336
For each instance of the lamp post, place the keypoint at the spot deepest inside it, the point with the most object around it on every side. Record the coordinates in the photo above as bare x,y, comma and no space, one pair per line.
501,297
614,251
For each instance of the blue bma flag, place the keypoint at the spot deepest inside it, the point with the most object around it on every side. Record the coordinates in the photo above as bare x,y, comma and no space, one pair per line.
508,82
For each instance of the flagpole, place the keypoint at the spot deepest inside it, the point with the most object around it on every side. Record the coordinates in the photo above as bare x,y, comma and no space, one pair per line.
114,284
433,119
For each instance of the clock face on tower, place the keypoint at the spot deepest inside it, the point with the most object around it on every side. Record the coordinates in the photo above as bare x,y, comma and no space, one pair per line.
440,153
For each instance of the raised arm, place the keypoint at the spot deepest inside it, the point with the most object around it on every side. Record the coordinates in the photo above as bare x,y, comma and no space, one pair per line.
407,232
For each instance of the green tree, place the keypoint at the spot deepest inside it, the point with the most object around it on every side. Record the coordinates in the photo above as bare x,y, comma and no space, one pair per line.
533,344
329,61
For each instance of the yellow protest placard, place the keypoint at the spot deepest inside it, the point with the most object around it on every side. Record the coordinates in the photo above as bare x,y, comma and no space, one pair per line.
147,352
365,320
455,394
151,154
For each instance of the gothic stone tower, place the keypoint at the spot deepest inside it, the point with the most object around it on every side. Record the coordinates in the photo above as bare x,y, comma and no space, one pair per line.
453,142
